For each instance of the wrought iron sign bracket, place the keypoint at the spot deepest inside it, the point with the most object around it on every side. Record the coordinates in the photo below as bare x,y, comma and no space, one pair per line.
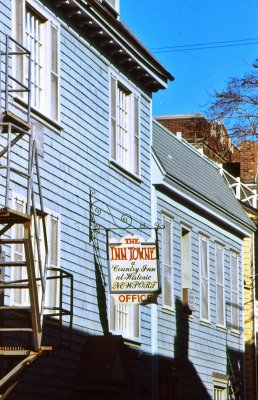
119,220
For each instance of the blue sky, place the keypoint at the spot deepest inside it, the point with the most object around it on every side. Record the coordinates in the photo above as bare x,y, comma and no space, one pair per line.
197,73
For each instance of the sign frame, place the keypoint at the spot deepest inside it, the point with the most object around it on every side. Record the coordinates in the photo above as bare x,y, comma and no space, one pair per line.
128,247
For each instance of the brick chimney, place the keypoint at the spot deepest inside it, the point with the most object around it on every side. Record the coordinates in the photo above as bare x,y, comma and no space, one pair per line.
248,161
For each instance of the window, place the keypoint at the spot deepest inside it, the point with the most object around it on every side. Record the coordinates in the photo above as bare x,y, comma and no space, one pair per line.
220,296
35,31
167,268
204,278
186,266
124,319
234,291
21,297
220,385
125,127
220,393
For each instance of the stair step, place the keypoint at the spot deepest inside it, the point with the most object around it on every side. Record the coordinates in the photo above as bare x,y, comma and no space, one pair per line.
16,330
20,351
8,215
15,308
12,241
9,285
14,351
13,264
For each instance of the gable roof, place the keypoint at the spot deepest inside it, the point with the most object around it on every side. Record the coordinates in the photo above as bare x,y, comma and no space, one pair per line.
197,179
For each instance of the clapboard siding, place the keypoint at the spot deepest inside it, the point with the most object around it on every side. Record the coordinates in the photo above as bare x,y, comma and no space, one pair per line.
76,159
207,343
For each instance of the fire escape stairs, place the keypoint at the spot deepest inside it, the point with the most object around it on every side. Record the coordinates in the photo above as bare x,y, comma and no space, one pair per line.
20,326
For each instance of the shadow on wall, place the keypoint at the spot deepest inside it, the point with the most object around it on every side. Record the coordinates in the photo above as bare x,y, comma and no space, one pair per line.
104,368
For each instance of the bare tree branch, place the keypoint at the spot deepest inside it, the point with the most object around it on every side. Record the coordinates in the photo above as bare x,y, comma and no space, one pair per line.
237,105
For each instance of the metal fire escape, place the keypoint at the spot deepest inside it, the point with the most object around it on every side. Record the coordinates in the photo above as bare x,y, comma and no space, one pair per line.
21,326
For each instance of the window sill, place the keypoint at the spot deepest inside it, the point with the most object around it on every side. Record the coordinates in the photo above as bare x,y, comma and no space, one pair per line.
167,310
136,343
135,178
205,322
39,117
221,328
127,340
234,332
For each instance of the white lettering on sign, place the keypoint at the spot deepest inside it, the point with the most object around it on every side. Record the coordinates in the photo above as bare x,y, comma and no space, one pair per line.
133,265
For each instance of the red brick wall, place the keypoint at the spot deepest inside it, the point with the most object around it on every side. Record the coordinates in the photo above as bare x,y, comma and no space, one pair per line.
248,161
200,132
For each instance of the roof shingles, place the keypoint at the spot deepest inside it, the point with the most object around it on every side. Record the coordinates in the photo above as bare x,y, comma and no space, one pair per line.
196,176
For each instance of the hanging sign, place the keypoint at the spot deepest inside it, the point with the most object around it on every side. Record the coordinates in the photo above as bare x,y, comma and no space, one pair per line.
134,276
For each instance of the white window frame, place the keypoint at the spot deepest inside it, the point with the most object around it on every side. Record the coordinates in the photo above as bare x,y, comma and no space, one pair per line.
204,279
220,284
124,125
167,264
125,320
220,387
186,257
50,30
52,284
234,272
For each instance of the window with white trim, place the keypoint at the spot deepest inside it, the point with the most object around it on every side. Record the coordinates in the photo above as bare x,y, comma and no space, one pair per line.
220,393
21,296
125,126
39,33
167,266
220,292
204,277
186,258
186,268
220,386
124,319
234,265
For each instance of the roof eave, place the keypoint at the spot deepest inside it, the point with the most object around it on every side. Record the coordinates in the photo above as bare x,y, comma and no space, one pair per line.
116,42
239,225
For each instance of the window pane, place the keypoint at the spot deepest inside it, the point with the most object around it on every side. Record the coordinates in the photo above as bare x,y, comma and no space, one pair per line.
54,55
203,257
135,310
34,44
136,135
18,60
166,245
123,126
54,97
186,259
219,265
167,290
205,299
54,242
220,305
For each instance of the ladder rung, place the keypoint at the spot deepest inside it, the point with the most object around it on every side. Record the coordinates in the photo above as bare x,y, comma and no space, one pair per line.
13,264
16,330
